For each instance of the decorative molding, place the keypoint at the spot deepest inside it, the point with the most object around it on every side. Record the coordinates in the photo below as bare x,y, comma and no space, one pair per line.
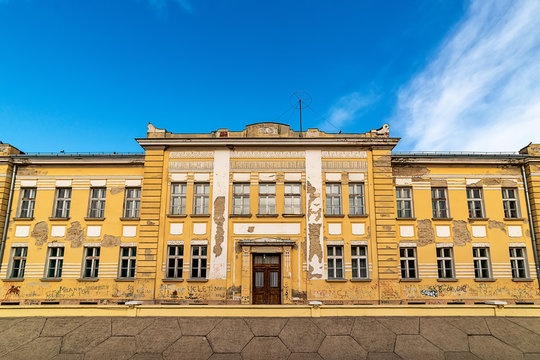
191,155
344,154
268,165
267,154
341,165
191,165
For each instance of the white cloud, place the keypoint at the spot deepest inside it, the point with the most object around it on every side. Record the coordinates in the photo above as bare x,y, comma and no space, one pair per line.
481,91
346,110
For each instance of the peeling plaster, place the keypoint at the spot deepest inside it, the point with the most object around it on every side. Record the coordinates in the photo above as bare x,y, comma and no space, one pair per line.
426,235
75,234
220,216
493,224
115,191
40,233
461,232
110,241
315,255
219,219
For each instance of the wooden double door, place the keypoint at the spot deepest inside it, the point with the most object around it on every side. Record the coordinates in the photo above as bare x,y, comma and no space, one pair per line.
266,279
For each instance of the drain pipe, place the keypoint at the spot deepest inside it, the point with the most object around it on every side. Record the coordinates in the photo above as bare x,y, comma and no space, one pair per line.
8,212
531,224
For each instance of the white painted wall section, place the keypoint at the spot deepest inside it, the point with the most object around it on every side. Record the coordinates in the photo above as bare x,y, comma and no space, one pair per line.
93,231
218,263
443,231
358,229
315,244
478,231
58,231
199,228
334,229
266,229
176,229
22,231
406,231
515,231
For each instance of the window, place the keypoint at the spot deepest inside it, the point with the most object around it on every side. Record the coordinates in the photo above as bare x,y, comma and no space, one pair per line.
128,256
62,202
241,198
96,208
359,262
356,199
293,199
18,262
178,199
175,261
445,262
55,261
482,264
474,201
91,262
267,199
518,260
201,199
408,262
439,203
198,262
132,202
510,202
404,202
333,199
335,262
28,200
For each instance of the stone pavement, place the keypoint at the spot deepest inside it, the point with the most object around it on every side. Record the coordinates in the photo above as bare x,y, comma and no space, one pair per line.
451,338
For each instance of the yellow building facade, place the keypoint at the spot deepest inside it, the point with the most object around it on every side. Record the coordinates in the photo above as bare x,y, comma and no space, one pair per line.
268,215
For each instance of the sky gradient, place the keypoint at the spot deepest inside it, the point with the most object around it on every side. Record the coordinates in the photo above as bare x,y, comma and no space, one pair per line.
447,75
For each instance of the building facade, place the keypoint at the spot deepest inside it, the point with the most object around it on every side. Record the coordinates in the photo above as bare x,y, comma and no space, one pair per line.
268,215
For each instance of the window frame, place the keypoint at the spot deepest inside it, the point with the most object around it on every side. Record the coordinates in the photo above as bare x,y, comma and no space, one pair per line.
66,203
405,259
436,200
58,259
478,259
508,201
30,200
180,196
332,196
94,260
514,259
358,258
131,259
473,201
205,196
355,196
134,212
22,265
199,257
290,195
332,257
177,256
100,201
401,200
270,198
442,264
244,196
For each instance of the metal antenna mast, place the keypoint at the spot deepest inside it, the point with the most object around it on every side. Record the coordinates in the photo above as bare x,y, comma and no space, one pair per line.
300,100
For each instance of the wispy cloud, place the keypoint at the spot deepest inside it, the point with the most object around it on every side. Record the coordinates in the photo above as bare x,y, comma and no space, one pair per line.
346,110
161,5
481,91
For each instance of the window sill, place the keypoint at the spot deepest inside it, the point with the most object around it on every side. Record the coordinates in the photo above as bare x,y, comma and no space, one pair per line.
124,279
23,218
87,279
410,280
239,215
94,219
360,280
13,280
336,280
293,215
442,219
172,280
334,215
267,215
176,215
406,219
50,279
485,280
523,279
196,280
59,219
357,216
514,219
477,219
447,280
199,215
130,219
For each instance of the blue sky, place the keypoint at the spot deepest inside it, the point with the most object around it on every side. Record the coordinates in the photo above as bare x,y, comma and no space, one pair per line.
447,75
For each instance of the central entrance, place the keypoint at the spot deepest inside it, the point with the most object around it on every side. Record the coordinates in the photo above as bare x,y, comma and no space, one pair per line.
266,278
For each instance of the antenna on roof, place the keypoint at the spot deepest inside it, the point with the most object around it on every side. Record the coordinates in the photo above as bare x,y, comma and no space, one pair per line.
300,100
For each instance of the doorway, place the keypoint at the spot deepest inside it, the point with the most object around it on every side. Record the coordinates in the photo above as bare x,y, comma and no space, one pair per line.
266,278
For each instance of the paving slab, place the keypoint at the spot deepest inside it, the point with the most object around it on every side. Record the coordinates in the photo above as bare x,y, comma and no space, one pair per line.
372,335
158,336
531,323
147,357
61,326
401,325
413,347
114,348
20,333
6,323
382,356
68,357
266,326
197,325
226,357
460,355
470,325
189,348
269,348
130,326
335,326
491,348
531,356
341,348
301,335
39,348
444,335
515,335
86,336
230,336
305,356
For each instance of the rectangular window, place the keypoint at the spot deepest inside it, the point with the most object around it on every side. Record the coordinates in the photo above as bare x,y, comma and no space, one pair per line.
408,262
55,261
356,199
359,262
482,263
201,199
96,207
510,202
293,199
198,261
18,262
132,202
178,199
28,200
241,198
439,203
175,261
128,255
267,199
445,262
333,199
91,262
335,262
518,260
404,202
475,202
62,202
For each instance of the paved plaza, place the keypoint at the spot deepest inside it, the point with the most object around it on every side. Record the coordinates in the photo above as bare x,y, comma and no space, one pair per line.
340,338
